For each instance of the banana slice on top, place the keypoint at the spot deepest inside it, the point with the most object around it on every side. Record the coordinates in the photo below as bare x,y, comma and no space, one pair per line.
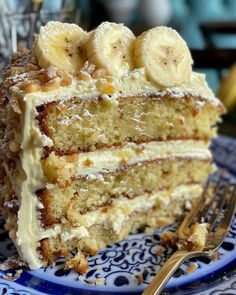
111,47
165,56
58,44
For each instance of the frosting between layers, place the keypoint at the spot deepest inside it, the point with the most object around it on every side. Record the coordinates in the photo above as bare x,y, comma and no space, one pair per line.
130,154
92,164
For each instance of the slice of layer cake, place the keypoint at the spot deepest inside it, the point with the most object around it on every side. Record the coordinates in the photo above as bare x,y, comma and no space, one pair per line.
103,134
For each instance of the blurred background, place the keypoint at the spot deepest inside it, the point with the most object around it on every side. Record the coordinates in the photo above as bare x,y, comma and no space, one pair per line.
208,26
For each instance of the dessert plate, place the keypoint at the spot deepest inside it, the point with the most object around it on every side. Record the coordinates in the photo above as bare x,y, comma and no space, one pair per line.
128,266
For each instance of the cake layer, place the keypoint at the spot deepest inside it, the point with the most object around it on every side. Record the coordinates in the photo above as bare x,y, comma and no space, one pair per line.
109,224
101,122
87,192
59,169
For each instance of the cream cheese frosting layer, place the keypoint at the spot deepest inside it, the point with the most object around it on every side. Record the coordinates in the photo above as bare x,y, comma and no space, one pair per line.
131,154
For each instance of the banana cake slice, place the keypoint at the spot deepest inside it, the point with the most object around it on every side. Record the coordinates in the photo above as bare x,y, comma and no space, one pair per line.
102,134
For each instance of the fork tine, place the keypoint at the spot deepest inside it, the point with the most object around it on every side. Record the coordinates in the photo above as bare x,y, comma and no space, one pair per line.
229,212
218,207
205,207
191,215
217,237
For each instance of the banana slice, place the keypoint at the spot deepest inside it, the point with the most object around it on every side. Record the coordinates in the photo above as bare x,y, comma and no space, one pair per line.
58,44
165,56
111,47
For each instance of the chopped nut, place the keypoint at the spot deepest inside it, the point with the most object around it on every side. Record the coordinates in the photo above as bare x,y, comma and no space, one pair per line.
64,252
51,85
100,73
32,87
160,250
48,74
215,256
73,158
88,162
66,80
109,79
123,162
78,262
105,87
139,278
191,268
84,76
105,209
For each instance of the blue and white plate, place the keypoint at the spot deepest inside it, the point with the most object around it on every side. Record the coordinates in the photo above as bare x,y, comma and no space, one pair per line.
119,265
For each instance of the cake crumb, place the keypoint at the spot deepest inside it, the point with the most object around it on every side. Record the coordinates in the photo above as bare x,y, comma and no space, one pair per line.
12,277
169,238
191,268
79,263
12,262
162,221
215,256
160,250
98,282
139,278
198,235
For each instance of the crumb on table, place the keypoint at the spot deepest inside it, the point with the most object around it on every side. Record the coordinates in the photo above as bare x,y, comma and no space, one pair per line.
160,250
139,278
191,268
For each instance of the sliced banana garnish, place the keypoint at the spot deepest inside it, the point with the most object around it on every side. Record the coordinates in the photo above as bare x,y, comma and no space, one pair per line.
110,46
58,44
165,56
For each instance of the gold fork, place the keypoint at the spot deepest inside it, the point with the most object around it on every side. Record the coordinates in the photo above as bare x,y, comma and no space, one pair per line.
222,200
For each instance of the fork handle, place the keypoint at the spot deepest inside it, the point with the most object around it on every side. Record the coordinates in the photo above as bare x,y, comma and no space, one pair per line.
166,272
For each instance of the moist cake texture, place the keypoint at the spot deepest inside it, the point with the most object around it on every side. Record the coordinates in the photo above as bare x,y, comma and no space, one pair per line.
102,134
